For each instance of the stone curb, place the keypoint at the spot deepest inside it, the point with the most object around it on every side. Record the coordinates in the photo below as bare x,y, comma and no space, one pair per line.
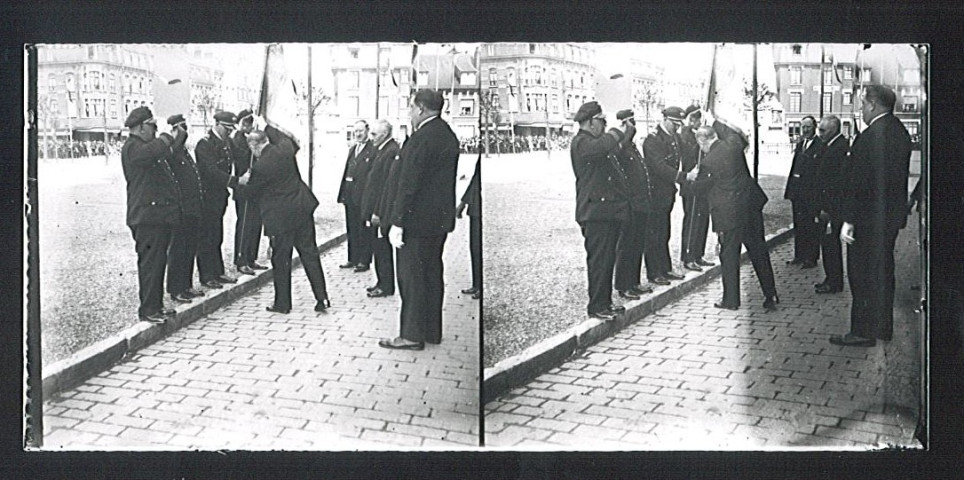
90,361
545,355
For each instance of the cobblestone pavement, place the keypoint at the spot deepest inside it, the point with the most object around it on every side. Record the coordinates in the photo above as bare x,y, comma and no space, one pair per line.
691,376
242,378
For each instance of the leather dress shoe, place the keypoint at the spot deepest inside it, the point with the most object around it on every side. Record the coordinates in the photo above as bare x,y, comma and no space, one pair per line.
808,265
399,343
603,315
795,261
277,309
692,266
641,290
373,287
725,306
246,270
477,295
194,293
816,285
362,267
850,340
617,309
824,288
212,284
257,266
628,294
347,265
770,304
704,263
659,281
470,291
673,276
154,318
181,297
226,279
323,305
376,293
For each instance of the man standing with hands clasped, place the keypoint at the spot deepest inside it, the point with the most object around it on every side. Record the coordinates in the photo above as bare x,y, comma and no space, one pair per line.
421,217
662,151
874,210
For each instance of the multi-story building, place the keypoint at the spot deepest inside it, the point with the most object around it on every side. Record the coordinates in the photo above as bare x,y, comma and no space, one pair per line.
456,75
815,77
190,82
535,88
86,91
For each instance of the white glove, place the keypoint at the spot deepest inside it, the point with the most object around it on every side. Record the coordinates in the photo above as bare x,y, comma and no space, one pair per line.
847,233
395,236
259,122
243,179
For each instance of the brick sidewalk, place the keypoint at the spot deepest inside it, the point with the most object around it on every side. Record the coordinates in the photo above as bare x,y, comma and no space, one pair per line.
244,378
691,376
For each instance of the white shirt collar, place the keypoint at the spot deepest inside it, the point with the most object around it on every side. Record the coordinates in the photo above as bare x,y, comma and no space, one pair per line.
423,122
834,139
872,120
384,142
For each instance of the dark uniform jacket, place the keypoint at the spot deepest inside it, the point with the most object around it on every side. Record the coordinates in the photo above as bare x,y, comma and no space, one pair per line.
383,207
801,184
283,199
152,190
424,204
831,176
215,161
725,179
190,190
375,184
241,153
356,174
637,177
663,154
472,197
602,191
690,156
876,196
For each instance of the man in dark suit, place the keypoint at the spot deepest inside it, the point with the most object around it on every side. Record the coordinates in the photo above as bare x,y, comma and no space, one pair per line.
874,209
247,230
662,151
183,250
152,206
357,166
831,179
602,202
215,161
386,152
421,216
287,206
802,191
736,209
472,198
632,237
696,210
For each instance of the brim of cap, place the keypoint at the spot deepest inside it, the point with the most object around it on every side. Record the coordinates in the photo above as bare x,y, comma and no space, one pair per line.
150,120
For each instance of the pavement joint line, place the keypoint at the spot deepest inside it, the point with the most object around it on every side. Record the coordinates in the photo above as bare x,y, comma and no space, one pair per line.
93,360
519,369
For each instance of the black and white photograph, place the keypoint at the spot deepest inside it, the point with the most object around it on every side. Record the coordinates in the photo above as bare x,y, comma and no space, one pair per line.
258,246
622,182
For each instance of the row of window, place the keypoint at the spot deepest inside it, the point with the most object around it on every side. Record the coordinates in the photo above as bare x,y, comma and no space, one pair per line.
569,52
94,108
351,106
908,76
97,81
536,102
908,103
537,75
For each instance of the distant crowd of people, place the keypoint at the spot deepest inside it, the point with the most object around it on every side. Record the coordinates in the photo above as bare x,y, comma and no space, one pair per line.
78,148
506,143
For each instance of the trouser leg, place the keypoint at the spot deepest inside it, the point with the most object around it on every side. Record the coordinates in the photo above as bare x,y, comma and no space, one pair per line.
421,286
600,243
756,247
181,255
384,263
307,246
629,252
730,243
475,249
151,243
281,247
832,253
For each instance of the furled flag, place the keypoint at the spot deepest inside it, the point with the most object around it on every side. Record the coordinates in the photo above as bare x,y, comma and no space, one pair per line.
279,101
725,99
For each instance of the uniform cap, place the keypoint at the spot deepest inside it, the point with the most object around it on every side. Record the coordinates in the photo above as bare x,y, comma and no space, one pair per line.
674,113
690,109
588,110
174,120
244,114
138,116
226,118
624,114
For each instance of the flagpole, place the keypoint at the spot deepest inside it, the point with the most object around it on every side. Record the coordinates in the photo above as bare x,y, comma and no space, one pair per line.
822,55
756,127
311,126
378,75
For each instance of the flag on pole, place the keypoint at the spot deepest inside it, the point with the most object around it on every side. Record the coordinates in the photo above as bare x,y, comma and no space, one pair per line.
725,94
278,103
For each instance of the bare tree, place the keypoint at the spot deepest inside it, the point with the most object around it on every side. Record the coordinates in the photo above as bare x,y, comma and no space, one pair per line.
489,108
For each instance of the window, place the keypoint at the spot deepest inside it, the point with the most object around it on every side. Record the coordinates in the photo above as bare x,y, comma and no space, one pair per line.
127,107
912,128
582,80
776,117
466,107
865,75
554,78
510,77
494,104
52,82
69,82
532,48
795,101
911,76
112,86
794,130
127,83
467,79
846,129
555,103
848,98
528,102
90,52
796,75
87,108
908,104
827,102
140,84
95,80
848,73
403,105
353,52
493,77
113,108
796,49
828,75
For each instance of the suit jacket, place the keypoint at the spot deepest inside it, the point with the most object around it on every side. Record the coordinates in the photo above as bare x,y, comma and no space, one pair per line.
802,183
383,208
876,196
733,195
663,153
425,201
241,153
283,199
190,190
831,175
375,184
357,166
473,194
637,177
602,190
152,192
215,160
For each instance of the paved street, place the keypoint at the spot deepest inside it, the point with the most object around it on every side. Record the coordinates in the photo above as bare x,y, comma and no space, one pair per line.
691,376
244,378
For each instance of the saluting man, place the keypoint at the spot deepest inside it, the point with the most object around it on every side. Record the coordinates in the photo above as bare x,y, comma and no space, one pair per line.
632,238
183,251
152,206
662,151
215,162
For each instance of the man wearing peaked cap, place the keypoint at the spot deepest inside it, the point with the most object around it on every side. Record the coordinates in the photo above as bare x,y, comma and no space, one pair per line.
215,160
180,265
152,206
696,208
247,231
662,151
602,206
